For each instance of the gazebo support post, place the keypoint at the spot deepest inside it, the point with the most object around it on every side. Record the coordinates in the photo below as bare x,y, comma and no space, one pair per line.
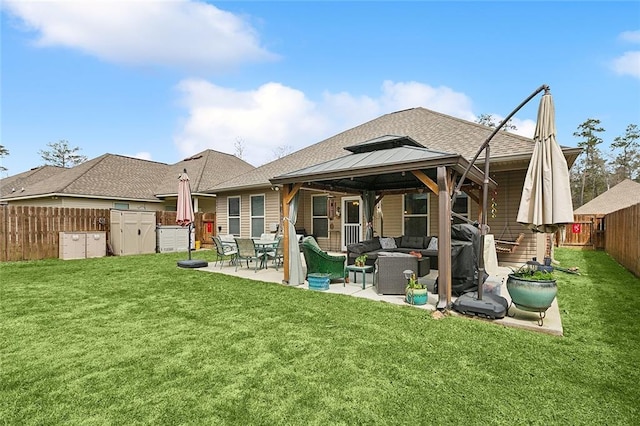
286,199
444,241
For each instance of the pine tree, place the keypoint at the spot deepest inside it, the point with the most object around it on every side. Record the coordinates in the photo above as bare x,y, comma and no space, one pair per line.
3,153
62,155
591,166
626,165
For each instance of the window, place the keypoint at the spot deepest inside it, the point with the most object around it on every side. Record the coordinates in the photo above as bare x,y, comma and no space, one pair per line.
416,215
461,206
233,219
320,216
257,215
121,206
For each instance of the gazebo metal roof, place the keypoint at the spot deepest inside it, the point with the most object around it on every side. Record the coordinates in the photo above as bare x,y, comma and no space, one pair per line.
382,165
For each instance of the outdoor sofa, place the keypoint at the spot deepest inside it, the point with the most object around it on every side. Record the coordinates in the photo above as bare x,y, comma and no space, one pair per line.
427,246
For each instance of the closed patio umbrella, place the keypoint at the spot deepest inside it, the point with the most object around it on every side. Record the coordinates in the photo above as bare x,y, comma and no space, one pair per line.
184,208
185,217
546,204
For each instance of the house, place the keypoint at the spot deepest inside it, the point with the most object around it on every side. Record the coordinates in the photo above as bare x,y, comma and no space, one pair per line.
623,195
248,204
120,182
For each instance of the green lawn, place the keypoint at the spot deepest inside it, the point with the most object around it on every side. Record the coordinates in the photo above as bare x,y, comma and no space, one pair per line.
136,340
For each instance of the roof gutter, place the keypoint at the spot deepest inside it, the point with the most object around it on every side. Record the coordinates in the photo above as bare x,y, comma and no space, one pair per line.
94,197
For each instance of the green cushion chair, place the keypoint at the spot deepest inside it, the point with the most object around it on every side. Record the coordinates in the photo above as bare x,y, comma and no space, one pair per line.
318,261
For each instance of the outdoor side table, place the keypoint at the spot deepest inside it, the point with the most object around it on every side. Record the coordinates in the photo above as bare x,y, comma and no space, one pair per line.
355,269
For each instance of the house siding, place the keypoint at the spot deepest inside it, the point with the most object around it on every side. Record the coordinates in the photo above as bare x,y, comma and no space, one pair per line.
85,203
272,210
502,226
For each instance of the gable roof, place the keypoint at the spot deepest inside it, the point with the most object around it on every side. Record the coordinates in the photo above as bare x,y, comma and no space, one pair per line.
205,169
126,178
624,194
430,129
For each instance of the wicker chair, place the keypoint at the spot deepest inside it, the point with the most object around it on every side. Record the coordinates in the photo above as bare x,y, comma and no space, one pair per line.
319,261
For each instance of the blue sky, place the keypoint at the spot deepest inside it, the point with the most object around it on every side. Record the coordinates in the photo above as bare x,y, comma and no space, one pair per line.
162,80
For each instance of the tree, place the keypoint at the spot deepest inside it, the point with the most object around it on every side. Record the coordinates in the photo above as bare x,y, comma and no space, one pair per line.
62,155
238,147
3,153
626,165
591,178
489,121
282,151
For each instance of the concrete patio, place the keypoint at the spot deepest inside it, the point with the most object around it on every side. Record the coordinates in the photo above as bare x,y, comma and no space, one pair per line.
521,319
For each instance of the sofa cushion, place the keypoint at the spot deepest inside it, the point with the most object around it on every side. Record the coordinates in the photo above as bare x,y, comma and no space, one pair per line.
412,242
433,244
371,245
388,243
356,248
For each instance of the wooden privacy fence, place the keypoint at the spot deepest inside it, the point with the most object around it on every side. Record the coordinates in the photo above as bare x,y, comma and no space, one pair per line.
587,230
622,239
32,233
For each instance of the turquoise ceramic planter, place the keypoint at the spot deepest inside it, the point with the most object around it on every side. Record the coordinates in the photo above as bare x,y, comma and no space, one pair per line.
416,296
319,282
534,296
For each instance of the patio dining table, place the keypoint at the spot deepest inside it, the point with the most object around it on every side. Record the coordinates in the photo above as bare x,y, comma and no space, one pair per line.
263,247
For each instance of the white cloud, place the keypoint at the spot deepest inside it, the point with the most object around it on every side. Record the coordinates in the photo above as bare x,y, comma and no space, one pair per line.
524,127
630,36
264,119
628,64
275,115
142,155
179,33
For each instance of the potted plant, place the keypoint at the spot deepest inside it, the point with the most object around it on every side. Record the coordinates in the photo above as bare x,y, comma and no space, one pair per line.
532,289
416,292
361,260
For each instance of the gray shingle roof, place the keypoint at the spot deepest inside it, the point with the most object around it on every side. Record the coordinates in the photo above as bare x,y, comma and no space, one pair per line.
205,169
624,194
120,177
13,185
431,129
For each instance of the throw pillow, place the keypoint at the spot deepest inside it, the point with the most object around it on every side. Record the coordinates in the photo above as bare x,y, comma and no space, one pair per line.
433,244
388,243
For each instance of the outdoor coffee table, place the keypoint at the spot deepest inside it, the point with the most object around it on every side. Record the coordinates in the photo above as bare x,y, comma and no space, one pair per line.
355,269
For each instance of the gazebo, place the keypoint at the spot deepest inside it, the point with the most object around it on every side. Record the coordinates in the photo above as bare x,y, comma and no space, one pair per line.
390,164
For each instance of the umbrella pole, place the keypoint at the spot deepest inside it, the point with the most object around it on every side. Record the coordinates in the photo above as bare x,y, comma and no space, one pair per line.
483,220
485,182
189,246
488,140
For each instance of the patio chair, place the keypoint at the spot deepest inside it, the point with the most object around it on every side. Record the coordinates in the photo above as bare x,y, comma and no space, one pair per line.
247,251
277,255
321,262
223,251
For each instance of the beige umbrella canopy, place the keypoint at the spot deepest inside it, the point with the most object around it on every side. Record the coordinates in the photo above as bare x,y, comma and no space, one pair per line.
546,196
